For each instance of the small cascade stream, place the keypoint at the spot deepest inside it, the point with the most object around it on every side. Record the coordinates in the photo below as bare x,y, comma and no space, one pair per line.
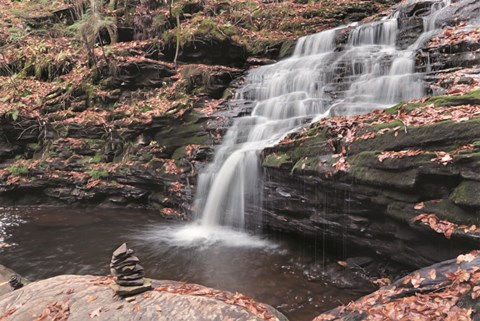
320,80
324,77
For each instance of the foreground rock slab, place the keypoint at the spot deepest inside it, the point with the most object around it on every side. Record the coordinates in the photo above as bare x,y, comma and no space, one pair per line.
446,291
72,297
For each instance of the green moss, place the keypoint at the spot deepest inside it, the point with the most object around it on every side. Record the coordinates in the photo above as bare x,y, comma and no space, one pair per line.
188,133
94,141
392,124
34,146
277,161
97,174
196,79
201,27
408,107
446,210
466,194
179,153
306,164
160,21
471,98
98,158
379,177
286,45
18,170
145,108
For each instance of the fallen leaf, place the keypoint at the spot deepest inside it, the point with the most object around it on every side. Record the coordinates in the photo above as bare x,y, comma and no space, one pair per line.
465,258
342,263
91,298
95,313
416,280
419,206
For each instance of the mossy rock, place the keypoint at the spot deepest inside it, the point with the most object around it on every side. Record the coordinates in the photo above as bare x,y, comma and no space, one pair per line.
433,137
471,98
306,165
191,131
467,194
392,124
447,210
286,49
391,179
370,159
277,161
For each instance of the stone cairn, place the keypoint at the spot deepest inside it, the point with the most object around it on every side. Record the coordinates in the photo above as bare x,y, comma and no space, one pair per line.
15,282
130,274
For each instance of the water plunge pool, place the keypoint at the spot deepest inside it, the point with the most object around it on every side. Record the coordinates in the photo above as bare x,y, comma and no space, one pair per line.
52,241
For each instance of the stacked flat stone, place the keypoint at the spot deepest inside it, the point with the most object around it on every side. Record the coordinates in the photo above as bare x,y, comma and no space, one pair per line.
126,267
15,282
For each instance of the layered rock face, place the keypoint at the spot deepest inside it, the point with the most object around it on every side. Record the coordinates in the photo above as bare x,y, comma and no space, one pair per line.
403,182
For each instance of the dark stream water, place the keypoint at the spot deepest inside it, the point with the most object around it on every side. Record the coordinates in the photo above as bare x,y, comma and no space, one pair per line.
49,242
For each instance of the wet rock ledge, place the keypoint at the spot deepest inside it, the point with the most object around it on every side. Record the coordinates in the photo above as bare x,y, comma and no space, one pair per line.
446,291
403,183
74,297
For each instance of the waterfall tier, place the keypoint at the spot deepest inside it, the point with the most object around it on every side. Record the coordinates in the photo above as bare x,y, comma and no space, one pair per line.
321,79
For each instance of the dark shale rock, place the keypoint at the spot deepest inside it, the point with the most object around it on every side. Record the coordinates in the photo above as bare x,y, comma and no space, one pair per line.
209,52
211,82
143,73
372,204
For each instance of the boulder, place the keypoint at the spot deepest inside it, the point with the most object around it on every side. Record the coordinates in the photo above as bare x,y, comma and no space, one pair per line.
444,291
73,297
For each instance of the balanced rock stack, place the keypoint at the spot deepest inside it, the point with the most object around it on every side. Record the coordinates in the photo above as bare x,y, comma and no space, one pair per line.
15,282
130,274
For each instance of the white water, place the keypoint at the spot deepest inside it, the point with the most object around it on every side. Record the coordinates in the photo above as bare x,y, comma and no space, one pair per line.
319,80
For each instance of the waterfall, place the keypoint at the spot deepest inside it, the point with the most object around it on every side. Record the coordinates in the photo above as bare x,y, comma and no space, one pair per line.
321,79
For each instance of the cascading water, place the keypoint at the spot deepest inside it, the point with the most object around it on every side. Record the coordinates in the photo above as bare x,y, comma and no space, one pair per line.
319,80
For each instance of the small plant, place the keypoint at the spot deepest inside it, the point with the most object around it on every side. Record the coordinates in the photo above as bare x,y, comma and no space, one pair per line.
91,26
18,170
98,158
13,113
98,173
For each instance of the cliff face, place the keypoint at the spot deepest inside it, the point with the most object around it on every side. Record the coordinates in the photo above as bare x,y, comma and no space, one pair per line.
92,122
